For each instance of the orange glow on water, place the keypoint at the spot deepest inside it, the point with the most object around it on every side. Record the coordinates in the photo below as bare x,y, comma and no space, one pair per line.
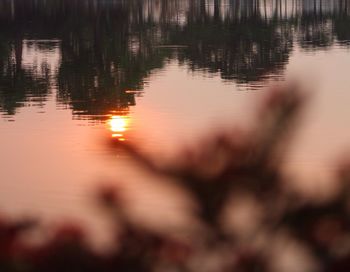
118,125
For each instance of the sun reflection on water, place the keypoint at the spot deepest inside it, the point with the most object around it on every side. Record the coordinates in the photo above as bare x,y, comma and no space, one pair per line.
118,125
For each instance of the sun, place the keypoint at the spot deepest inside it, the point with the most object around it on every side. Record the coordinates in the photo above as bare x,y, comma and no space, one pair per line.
118,125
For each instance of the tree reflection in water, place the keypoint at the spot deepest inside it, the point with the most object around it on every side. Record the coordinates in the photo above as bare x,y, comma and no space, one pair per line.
109,48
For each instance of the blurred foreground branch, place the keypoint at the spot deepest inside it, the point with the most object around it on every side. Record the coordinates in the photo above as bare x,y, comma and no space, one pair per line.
243,217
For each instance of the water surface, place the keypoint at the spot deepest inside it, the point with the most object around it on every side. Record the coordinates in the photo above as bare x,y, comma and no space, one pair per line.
159,74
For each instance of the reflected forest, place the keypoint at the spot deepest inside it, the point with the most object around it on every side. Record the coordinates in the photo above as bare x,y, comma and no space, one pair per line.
106,50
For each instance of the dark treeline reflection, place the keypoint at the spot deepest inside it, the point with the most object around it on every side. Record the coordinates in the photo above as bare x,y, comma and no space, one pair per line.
98,54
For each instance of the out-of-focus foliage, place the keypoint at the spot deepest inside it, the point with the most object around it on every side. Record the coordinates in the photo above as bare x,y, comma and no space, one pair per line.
238,213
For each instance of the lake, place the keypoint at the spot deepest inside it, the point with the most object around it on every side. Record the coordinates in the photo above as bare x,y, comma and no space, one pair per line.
161,75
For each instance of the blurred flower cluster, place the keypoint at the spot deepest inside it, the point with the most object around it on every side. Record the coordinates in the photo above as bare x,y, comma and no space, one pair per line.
227,206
